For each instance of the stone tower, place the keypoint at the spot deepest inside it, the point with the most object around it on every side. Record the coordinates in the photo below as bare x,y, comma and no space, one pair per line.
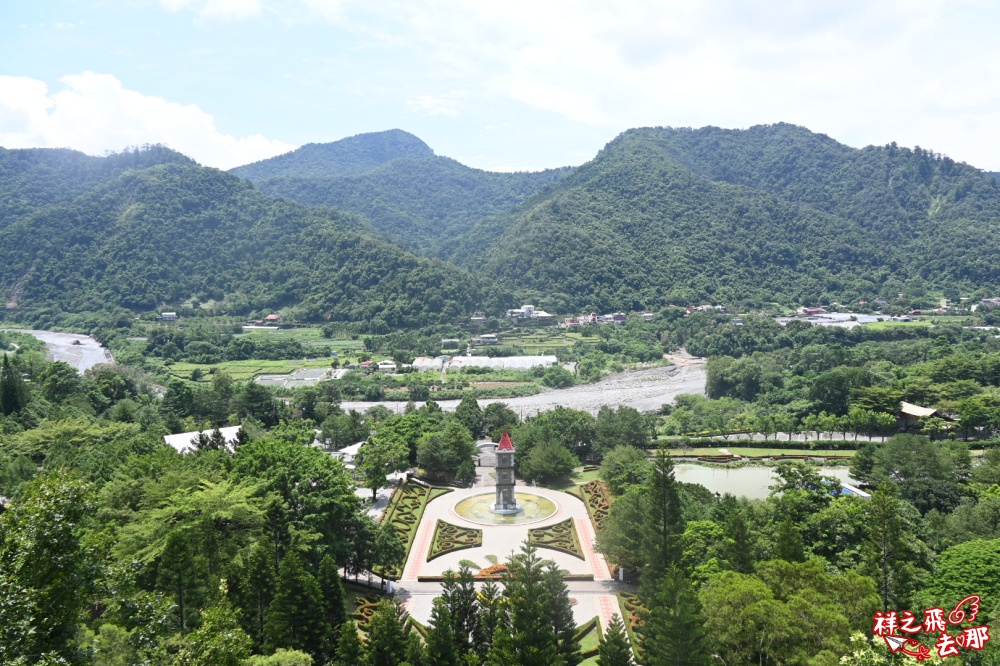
505,502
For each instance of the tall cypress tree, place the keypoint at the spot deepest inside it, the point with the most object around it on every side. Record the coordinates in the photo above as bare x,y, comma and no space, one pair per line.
334,604
664,527
292,618
489,617
441,645
350,652
251,584
673,633
560,614
13,394
386,637
789,546
458,592
613,648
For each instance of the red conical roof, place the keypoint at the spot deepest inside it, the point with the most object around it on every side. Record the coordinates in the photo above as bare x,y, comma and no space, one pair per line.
505,443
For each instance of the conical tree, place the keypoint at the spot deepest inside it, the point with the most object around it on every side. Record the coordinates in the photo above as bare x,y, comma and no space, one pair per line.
292,618
415,654
441,649
488,617
613,648
350,652
560,614
13,393
334,604
251,583
789,546
664,527
386,636
673,633
458,593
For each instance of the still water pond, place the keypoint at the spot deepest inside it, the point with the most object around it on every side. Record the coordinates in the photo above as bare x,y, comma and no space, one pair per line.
750,482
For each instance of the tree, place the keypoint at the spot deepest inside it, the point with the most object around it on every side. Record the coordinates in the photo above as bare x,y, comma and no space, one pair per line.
458,593
219,641
663,529
255,401
560,614
672,629
526,637
498,417
547,461
46,568
557,376
441,649
292,618
381,456
334,603
13,392
470,416
251,583
281,658
624,467
619,539
789,545
613,648
183,574
888,555
350,652
59,381
626,426
386,636
389,551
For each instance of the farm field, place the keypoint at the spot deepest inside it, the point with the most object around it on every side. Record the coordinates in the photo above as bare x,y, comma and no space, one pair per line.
243,370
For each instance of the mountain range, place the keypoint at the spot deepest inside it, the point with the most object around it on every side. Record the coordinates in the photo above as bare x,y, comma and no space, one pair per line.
379,229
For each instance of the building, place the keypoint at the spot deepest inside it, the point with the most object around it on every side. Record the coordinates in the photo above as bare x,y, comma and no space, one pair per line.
386,366
505,500
489,339
272,319
911,414
168,316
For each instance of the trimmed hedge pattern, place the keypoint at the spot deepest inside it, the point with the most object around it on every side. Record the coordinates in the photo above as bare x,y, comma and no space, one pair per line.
597,496
448,538
405,508
561,536
631,609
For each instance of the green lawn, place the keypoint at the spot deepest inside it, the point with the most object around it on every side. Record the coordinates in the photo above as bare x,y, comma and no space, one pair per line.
577,478
243,370
883,325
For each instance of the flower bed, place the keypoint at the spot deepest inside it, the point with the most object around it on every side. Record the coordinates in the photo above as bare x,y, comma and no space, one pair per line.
597,496
404,511
448,538
560,536
495,570
631,610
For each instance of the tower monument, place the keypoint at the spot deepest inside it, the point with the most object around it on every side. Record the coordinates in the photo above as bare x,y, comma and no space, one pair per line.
506,502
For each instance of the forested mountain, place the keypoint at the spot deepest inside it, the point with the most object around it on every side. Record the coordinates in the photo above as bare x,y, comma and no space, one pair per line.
178,231
42,177
995,174
771,213
347,157
418,202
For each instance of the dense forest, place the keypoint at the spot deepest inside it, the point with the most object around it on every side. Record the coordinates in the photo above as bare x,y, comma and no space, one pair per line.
774,213
177,232
420,203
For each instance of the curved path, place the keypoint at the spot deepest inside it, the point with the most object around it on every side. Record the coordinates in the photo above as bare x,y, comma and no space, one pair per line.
645,390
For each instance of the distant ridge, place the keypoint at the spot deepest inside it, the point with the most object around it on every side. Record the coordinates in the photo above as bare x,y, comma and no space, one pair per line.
346,157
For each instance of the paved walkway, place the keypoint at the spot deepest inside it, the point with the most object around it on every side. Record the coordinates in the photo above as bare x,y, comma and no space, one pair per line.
592,598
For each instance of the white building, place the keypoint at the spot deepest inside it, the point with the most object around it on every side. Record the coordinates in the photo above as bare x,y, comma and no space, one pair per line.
184,442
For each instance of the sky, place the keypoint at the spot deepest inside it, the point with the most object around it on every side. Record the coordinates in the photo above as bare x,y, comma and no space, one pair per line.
512,85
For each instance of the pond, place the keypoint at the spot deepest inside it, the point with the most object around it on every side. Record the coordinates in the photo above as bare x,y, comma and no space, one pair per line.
749,482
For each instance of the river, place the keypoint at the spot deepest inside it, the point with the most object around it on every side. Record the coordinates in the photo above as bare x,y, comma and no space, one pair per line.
746,481
78,350
644,390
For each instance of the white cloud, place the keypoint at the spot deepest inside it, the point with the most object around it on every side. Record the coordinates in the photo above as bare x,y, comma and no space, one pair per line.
93,113
434,105
235,10
863,71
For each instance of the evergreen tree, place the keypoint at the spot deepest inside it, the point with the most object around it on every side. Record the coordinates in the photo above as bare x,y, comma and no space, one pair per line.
613,648
673,633
789,546
887,553
458,593
526,637
470,415
292,618
219,641
13,394
350,652
415,653
252,581
664,528
738,547
489,617
386,637
560,614
183,575
334,603
441,643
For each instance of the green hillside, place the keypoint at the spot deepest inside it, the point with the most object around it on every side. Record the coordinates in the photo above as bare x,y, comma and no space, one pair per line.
36,177
174,232
771,213
347,157
418,202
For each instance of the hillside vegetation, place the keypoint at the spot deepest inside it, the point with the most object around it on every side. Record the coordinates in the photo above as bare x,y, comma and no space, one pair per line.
175,232
774,213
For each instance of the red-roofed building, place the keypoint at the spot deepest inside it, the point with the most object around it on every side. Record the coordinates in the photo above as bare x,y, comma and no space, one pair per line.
505,443
506,503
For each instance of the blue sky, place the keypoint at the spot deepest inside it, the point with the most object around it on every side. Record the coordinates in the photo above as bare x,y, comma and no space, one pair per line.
511,85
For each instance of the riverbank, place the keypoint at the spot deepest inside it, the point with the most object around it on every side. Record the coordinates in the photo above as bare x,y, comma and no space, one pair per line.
80,351
644,390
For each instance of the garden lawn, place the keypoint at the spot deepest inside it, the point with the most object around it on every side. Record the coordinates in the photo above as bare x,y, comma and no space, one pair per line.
405,511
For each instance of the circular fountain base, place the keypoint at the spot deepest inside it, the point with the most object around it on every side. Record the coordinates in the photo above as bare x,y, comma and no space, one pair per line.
531,508
509,511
